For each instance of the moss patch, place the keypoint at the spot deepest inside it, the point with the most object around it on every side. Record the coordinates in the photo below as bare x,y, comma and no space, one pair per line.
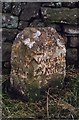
63,15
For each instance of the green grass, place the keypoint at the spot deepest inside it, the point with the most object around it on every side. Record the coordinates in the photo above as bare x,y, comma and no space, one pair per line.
62,103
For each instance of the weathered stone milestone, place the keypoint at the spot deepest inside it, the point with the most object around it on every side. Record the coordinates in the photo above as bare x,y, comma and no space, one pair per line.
37,61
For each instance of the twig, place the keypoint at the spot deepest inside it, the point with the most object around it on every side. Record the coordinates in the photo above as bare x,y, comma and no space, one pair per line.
48,105
64,105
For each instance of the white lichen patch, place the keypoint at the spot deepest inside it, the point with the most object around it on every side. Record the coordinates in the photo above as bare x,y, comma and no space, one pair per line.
37,34
28,42
59,43
52,29
64,50
20,35
73,31
58,52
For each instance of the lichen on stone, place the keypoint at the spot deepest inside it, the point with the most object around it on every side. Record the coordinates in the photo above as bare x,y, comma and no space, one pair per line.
37,60
28,42
37,34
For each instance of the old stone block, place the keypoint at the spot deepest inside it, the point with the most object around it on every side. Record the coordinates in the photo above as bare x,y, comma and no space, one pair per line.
60,15
6,7
0,50
71,56
23,5
78,4
31,10
5,78
48,4
9,21
37,23
9,34
69,4
16,8
58,4
71,29
22,25
6,67
52,4
6,51
74,41
0,21
37,61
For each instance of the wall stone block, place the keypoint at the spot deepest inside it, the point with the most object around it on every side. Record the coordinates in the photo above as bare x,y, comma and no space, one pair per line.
72,56
6,7
6,51
37,23
9,34
60,15
71,29
69,4
22,25
74,41
31,11
16,8
9,21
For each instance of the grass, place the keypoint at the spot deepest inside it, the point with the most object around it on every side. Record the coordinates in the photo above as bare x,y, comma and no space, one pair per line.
58,103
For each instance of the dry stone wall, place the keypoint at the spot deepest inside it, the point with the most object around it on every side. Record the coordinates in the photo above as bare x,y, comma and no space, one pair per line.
63,16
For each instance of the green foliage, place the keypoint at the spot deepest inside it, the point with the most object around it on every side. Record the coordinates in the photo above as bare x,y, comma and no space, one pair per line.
72,94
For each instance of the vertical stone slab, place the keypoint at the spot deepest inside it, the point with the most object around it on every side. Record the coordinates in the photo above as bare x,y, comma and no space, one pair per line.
37,61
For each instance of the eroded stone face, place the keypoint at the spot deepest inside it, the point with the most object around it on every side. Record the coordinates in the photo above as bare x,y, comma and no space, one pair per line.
37,60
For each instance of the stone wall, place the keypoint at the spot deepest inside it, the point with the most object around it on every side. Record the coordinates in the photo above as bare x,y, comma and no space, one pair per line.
63,17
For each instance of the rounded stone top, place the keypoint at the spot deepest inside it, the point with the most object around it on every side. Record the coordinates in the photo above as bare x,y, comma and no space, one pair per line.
37,60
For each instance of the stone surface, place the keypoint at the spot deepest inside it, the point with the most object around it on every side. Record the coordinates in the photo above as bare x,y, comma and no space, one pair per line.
6,67
71,56
16,8
23,5
6,64
6,7
37,61
74,41
9,21
69,4
37,23
60,15
78,4
9,34
71,29
6,51
22,25
31,11
48,4
58,4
